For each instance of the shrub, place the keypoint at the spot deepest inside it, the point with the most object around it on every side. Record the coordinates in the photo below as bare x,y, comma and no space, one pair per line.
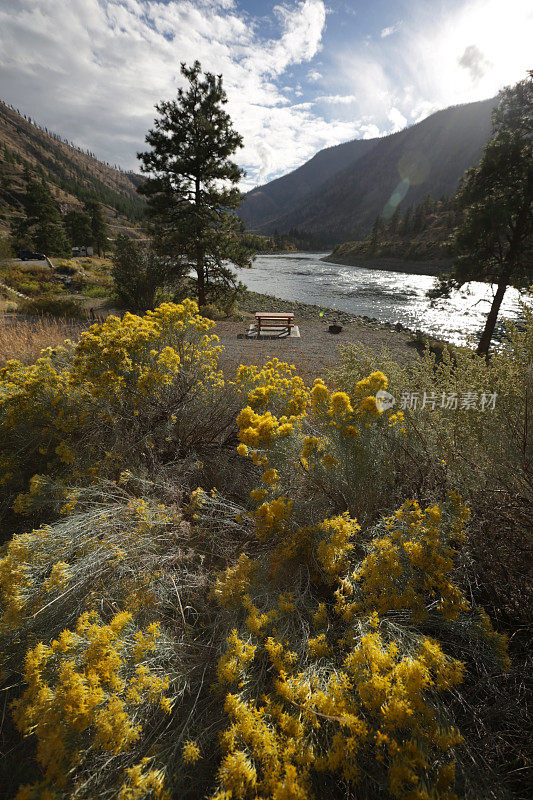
211,312
54,306
130,388
296,633
95,291
139,274
66,268
481,451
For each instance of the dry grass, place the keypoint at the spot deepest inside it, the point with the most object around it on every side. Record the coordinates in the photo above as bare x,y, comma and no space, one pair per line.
24,339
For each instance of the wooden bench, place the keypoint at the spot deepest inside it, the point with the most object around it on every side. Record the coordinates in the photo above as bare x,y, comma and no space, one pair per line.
269,319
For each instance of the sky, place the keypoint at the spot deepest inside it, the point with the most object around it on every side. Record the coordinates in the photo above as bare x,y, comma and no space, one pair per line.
300,75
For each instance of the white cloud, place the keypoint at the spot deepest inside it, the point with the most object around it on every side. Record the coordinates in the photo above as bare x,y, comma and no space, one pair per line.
336,98
94,69
431,62
389,31
302,25
397,118
370,131
474,61
314,75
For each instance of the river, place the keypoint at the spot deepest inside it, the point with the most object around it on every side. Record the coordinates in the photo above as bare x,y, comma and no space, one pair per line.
386,296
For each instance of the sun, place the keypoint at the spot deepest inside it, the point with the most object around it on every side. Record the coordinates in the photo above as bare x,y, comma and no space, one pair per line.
487,46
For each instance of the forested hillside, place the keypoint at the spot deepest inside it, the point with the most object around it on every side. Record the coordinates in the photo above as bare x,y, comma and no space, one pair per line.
74,175
427,158
421,233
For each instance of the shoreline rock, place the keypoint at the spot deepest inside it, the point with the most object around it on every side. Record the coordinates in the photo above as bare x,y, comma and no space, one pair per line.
254,301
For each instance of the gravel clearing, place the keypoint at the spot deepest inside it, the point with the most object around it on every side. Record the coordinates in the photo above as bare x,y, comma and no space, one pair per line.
317,350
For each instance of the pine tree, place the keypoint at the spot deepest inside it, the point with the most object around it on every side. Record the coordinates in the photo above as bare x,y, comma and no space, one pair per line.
406,225
191,188
78,227
98,225
41,225
495,238
377,233
419,218
394,222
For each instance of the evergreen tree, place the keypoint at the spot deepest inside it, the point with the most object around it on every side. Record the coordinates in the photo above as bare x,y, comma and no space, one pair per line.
430,205
41,225
78,227
191,188
419,218
394,222
378,229
139,274
98,225
407,222
495,239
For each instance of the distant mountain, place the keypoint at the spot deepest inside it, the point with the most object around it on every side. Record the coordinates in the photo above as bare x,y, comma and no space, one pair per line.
74,175
277,199
363,174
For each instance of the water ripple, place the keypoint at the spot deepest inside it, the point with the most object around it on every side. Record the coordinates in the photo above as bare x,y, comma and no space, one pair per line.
387,296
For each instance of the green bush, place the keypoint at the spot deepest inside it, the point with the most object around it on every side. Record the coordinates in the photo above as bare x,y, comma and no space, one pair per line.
478,450
65,268
211,312
53,306
95,291
140,275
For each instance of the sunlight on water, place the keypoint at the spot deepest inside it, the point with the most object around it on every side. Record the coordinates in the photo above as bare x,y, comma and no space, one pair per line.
387,296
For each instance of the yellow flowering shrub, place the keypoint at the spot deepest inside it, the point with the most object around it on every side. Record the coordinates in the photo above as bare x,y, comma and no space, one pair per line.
374,696
364,690
410,566
102,404
85,693
295,633
316,437
113,555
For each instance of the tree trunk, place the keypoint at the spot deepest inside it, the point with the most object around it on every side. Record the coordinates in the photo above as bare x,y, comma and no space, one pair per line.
201,277
486,336
200,271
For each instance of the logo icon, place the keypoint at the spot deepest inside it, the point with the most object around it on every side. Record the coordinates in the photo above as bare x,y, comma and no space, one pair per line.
384,400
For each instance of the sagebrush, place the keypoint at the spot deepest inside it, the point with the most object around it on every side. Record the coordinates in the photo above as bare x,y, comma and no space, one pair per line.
235,589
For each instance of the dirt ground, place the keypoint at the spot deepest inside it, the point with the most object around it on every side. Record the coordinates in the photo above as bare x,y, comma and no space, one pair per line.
314,352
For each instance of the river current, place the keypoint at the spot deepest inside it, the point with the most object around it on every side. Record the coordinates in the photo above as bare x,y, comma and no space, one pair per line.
380,294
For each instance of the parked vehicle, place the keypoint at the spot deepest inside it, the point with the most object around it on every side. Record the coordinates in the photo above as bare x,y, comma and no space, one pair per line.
82,251
30,255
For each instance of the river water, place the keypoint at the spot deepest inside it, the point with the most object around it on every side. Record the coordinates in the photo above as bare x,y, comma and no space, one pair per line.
387,296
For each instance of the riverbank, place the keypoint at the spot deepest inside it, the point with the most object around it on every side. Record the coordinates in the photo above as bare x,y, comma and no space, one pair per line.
256,301
434,268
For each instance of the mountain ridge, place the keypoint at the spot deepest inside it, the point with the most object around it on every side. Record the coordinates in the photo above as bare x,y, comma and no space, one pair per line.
436,151
278,194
